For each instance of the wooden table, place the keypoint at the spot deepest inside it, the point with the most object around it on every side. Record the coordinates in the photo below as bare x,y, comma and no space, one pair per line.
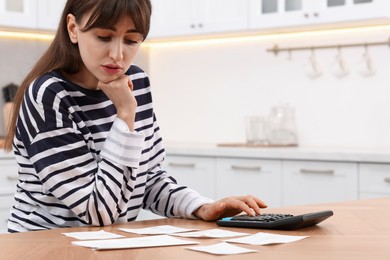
358,230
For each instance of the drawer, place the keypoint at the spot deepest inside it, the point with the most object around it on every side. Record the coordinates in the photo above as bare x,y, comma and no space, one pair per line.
261,178
307,182
197,173
374,178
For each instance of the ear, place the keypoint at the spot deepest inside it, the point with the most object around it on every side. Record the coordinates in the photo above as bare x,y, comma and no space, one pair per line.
72,28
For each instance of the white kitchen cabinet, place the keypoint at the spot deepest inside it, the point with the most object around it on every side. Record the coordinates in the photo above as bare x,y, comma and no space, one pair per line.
192,17
374,180
197,173
31,14
49,13
261,178
332,11
307,182
279,13
287,13
8,181
18,13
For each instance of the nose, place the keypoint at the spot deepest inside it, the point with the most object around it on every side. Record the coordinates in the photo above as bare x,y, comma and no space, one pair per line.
116,50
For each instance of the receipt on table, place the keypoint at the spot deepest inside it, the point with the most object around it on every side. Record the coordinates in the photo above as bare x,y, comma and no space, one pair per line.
88,235
211,233
222,249
265,239
137,242
156,230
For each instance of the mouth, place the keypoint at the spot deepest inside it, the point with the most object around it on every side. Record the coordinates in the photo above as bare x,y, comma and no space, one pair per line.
112,68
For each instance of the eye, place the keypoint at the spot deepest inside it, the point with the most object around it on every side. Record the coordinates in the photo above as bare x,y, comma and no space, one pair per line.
104,38
130,42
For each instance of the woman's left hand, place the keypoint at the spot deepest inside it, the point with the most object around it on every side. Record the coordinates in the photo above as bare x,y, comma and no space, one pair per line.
230,206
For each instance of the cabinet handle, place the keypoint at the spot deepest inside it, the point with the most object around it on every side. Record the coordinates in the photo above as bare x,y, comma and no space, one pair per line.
245,168
183,165
200,25
306,15
387,179
309,171
316,14
12,178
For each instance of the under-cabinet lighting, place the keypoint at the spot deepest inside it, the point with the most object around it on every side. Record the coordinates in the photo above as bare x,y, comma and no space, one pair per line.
26,35
229,39
269,36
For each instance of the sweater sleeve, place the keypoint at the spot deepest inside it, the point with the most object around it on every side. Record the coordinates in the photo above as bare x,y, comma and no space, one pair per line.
122,146
165,197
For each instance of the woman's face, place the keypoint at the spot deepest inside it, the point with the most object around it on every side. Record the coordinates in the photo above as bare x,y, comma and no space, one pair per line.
107,53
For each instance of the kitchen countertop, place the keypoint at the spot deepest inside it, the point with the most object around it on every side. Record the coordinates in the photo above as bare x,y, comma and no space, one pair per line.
341,154
344,154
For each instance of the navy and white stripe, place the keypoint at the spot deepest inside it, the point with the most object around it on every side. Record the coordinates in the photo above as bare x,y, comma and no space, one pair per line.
80,165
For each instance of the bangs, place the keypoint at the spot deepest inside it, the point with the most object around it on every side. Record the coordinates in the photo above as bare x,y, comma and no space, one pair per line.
108,13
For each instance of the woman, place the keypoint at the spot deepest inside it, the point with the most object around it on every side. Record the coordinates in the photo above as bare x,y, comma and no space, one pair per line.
85,134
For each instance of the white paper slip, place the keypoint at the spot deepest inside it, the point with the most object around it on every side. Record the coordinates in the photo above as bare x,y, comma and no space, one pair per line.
266,239
156,230
222,249
136,242
211,233
88,235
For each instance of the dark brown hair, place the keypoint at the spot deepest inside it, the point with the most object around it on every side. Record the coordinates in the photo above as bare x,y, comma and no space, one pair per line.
62,54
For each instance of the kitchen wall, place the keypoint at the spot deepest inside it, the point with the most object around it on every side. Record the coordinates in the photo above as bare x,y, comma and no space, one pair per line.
203,92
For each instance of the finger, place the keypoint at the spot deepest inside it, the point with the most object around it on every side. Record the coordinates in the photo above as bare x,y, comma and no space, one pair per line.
251,202
240,204
130,84
254,204
247,209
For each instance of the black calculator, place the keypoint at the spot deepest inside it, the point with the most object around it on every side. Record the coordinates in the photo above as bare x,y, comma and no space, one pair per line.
276,221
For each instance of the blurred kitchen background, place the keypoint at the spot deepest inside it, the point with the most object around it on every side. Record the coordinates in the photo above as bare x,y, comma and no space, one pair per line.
206,81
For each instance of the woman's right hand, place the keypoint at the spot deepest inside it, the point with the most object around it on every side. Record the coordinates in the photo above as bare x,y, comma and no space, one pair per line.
120,92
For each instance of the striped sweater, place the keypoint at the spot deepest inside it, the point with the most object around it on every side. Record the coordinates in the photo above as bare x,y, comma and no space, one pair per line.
80,165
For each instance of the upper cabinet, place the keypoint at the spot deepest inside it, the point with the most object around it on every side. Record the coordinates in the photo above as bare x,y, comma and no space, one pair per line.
49,13
333,11
18,13
177,18
287,13
192,17
31,14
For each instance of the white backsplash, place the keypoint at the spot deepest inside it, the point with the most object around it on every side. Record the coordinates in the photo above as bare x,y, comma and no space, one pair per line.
203,93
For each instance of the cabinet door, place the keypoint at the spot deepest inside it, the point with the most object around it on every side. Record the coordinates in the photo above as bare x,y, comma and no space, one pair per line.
261,178
18,13
194,17
221,15
330,11
8,180
197,173
280,13
5,206
307,182
171,18
374,180
49,13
